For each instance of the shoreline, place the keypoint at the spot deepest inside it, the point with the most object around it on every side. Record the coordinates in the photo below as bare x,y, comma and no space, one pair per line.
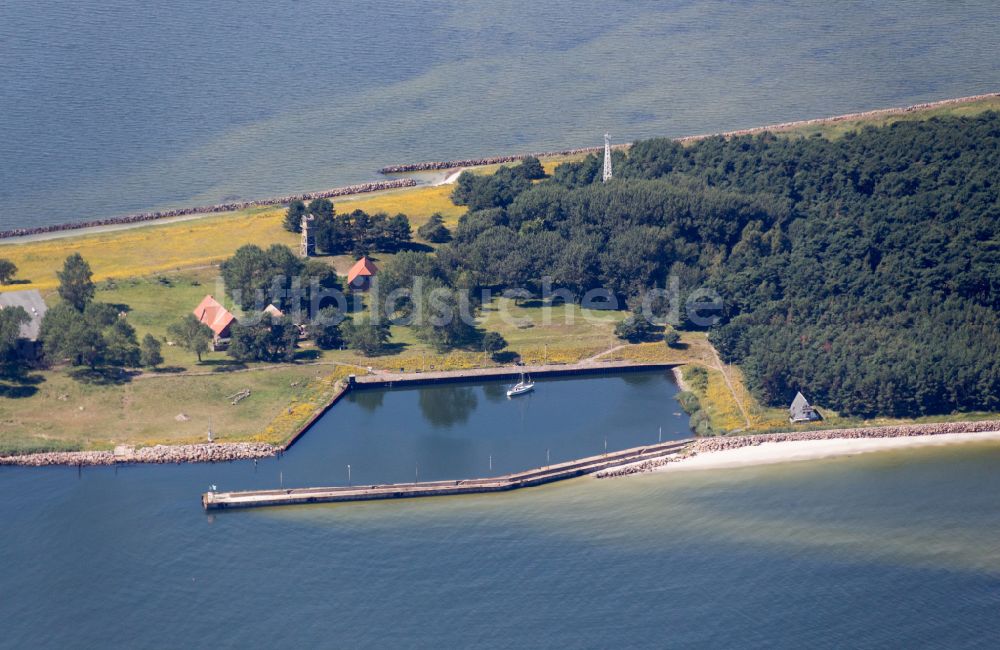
141,218
803,450
21,235
765,449
155,455
433,165
216,452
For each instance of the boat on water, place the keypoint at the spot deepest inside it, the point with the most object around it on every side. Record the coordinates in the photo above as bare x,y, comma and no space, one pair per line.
521,387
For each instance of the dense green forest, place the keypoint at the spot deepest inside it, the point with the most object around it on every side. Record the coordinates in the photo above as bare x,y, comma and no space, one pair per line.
864,271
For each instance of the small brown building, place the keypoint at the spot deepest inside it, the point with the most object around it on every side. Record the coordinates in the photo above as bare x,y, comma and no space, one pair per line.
359,278
218,319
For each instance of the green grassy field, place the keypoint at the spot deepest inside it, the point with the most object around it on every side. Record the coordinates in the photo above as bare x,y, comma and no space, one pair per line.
66,408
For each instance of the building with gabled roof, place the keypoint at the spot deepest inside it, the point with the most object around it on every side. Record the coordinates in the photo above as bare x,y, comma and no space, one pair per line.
801,410
217,317
359,278
30,301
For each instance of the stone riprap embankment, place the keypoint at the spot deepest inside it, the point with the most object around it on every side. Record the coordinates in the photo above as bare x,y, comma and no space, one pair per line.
720,443
140,217
432,165
723,443
158,454
638,468
783,126
847,117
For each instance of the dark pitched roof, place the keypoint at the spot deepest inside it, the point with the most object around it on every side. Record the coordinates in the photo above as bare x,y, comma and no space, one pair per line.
800,409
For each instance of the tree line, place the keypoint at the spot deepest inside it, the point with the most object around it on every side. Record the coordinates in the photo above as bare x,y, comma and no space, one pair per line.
861,270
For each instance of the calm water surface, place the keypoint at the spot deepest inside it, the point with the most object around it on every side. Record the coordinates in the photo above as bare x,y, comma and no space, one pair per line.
115,106
457,430
898,549
111,107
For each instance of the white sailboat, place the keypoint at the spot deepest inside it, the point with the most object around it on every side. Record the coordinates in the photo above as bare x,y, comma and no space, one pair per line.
521,387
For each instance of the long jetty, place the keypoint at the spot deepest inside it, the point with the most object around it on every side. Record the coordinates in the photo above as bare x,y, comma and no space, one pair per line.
505,483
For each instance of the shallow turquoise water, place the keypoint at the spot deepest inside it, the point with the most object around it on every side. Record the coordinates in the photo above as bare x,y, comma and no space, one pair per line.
898,549
111,107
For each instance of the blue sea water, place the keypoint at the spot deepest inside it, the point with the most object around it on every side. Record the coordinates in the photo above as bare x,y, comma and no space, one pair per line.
897,549
114,106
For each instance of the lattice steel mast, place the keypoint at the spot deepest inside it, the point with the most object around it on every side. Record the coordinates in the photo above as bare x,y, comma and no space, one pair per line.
607,158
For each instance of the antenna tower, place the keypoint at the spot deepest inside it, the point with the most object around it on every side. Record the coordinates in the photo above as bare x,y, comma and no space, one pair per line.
607,158
307,248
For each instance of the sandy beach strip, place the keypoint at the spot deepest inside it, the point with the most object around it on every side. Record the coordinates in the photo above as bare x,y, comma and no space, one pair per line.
801,450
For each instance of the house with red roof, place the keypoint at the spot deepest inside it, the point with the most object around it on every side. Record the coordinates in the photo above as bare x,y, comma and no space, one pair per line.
218,319
359,278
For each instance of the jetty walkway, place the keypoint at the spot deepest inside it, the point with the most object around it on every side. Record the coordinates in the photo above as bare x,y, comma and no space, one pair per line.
533,477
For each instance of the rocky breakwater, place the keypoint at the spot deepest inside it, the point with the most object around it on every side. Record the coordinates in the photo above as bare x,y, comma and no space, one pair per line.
157,454
432,165
640,468
721,443
783,126
140,217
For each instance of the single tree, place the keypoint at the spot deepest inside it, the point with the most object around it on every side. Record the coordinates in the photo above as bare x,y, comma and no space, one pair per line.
89,346
293,217
671,338
434,230
398,232
11,320
76,285
531,168
321,208
248,275
121,348
366,334
267,339
447,321
634,328
192,335
7,271
325,329
493,343
150,354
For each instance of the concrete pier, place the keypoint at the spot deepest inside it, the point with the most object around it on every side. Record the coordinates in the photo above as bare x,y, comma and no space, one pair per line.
539,476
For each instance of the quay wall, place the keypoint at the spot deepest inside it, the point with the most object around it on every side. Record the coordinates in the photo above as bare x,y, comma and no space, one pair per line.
140,217
388,380
783,126
223,452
